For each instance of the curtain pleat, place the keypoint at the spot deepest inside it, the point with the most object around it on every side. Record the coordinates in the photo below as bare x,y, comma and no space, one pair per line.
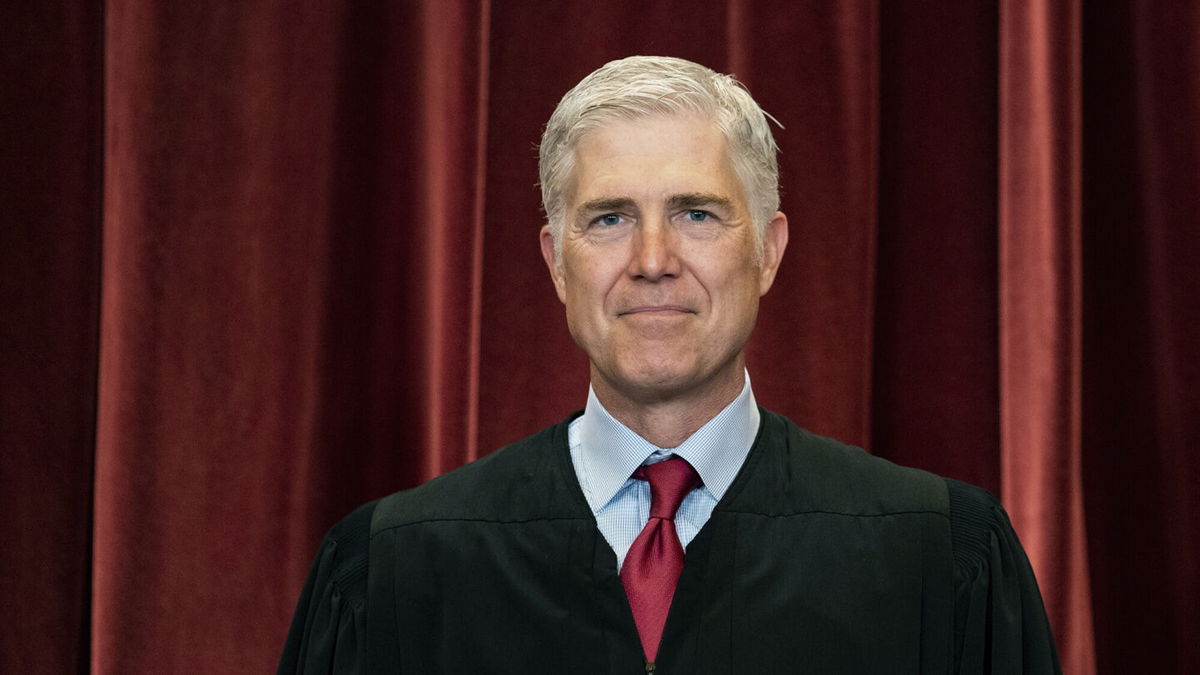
935,398
220,176
823,91
445,212
50,178
263,261
1040,265
1141,380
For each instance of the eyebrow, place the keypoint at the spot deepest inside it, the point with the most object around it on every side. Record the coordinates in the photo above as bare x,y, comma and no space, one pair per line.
691,200
605,204
687,200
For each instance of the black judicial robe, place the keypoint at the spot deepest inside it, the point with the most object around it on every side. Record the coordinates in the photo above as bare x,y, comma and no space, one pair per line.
819,559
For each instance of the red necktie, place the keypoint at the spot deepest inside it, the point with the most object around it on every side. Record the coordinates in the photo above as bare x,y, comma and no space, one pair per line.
653,564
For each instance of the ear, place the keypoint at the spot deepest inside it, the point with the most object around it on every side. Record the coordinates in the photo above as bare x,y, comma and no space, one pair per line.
556,271
775,239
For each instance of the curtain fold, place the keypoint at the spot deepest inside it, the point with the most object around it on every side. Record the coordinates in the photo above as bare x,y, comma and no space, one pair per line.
50,178
1041,266
1141,397
823,90
263,261
219,174
936,319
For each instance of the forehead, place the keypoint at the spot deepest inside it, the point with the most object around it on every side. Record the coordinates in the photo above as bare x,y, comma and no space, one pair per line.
653,157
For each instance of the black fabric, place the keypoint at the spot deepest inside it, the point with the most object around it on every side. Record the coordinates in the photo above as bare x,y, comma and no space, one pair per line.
820,558
327,625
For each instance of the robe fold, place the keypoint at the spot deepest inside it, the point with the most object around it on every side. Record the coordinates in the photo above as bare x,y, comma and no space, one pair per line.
820,558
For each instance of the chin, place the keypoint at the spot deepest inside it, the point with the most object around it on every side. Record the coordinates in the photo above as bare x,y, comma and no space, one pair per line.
657,377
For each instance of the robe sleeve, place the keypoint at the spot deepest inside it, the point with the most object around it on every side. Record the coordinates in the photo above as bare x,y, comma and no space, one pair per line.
328,627
1000,623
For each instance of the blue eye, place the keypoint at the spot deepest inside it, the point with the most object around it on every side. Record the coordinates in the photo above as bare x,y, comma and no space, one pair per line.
698,216
609,219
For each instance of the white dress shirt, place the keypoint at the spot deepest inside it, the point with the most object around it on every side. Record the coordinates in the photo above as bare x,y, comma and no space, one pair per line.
605,454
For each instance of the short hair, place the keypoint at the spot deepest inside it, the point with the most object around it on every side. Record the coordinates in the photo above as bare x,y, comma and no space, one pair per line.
641,86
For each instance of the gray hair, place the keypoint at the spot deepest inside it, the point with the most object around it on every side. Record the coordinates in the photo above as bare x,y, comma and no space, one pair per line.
640,86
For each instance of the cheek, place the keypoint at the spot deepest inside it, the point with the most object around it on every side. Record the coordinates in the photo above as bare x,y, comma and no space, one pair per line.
584,309
590,284
580,295
738,298
731,277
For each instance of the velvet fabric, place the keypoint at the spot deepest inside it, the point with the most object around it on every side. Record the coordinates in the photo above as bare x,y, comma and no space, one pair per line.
262,261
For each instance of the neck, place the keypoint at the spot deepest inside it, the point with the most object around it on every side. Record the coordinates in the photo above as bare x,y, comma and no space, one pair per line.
669,419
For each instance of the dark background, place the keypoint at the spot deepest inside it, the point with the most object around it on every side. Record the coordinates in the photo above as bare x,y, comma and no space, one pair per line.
262,261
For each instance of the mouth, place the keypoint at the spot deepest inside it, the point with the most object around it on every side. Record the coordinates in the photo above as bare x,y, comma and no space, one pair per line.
655,309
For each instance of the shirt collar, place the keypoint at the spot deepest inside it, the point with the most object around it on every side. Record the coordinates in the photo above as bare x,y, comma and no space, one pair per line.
611,451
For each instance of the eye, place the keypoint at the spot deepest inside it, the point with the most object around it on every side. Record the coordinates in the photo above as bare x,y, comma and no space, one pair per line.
698,216
609,219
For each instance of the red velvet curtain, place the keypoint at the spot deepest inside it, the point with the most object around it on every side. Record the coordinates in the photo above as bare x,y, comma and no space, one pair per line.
262,261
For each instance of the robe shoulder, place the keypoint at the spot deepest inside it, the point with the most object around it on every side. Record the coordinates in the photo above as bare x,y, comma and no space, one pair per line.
531,479
1000,624
327,632
793,471
1000,621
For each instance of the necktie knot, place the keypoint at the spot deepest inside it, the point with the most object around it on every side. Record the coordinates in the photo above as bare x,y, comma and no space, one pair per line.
670,481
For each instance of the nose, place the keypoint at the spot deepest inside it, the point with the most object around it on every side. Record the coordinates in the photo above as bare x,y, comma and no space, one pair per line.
654,254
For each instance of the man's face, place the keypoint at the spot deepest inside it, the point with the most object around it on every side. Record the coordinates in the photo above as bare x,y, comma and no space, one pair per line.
659,271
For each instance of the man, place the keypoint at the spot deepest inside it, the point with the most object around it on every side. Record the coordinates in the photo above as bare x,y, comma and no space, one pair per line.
673,527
